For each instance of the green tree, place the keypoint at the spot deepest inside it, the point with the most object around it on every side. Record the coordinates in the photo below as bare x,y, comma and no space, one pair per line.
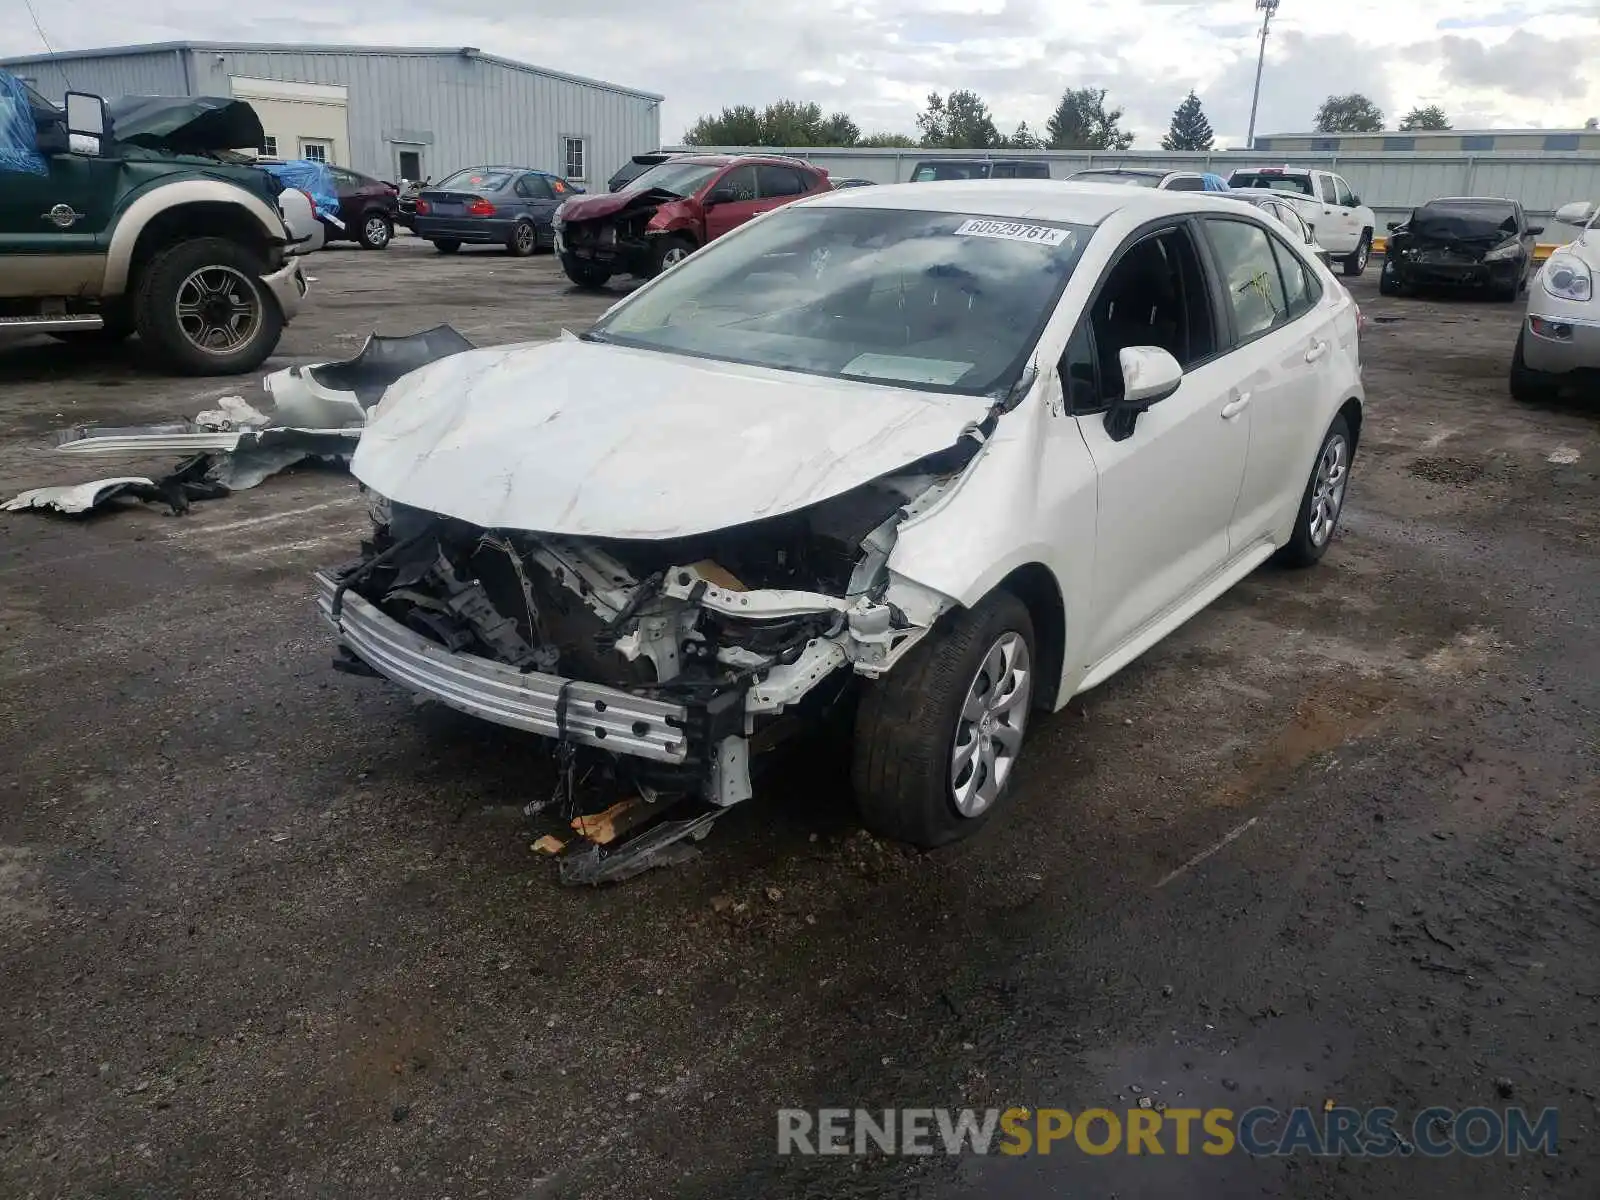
1349,114
1023,139
1081,121
782,123
960,121
1190,130
888,140
1431,117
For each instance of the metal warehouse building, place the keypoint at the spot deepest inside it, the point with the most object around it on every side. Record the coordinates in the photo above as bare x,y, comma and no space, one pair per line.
388,112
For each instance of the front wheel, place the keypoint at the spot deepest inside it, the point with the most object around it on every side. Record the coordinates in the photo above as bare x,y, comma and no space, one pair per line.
586,275
1356,264
1322,503
202,309
937,739
668,252
1527,385
375,233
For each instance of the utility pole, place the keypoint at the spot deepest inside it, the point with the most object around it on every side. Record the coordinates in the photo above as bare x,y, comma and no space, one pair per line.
1269,9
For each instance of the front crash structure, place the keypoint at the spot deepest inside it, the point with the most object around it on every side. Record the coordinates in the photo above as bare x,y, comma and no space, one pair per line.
676,661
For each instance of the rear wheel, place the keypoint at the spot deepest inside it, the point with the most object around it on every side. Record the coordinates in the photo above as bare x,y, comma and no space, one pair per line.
524,239
446,246
1323,501
202,309
937,739
1356,263
584,274
1527,385
375,232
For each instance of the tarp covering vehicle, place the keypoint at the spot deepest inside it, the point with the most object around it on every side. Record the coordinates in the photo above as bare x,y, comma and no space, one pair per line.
315,180
20,111
184,124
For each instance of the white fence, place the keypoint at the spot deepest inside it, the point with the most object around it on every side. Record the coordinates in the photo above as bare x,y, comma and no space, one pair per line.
1392,184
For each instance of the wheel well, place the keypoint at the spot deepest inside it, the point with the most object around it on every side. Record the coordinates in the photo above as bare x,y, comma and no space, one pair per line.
1036,587
1350,410
187,221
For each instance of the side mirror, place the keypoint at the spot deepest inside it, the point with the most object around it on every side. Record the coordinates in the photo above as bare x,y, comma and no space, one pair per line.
720,195
86,122
1576,213
1535,230
1393,225
1149,376
1355,201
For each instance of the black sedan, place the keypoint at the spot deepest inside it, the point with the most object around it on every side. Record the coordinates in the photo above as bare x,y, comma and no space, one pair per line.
492,206
1479,242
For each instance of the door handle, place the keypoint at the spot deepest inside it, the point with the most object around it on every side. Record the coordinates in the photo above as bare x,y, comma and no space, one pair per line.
1237,405
1317,350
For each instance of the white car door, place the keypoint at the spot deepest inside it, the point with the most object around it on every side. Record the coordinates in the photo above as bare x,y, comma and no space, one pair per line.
1282,338
1169,480
1338,219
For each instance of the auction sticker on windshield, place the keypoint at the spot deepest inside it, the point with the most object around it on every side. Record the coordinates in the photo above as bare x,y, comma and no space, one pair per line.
1014,231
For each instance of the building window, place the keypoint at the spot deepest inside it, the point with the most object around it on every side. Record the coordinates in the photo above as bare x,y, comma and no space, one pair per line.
1263,143
1561,141
574,157
315,152
269,146
1399,143
1325,143
1477,141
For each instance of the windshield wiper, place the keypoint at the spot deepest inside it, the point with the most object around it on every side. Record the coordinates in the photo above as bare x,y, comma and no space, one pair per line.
589,335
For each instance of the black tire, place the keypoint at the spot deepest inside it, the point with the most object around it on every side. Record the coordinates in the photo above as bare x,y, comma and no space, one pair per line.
376,231
1505,294
908,721
1389,282
524,239
586,275
1307,544
226,278
446,246
1356,264
1527,385
668,251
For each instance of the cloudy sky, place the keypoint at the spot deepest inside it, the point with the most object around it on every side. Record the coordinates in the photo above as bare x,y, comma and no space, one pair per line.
1490,63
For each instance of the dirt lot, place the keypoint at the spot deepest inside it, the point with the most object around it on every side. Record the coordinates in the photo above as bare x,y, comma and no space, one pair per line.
272,931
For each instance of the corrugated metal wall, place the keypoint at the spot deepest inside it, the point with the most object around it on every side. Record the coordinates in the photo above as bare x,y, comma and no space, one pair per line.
465,112
157,74
1392,184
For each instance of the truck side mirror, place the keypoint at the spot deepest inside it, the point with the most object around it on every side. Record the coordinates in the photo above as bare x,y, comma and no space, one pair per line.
86,122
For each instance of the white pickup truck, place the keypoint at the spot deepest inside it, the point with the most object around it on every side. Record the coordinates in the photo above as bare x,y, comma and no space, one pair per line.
1341,223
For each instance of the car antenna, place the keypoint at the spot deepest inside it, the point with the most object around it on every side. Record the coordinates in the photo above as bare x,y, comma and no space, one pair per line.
39,29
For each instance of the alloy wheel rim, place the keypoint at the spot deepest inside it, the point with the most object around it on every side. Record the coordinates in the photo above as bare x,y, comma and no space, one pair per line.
1327,492
1364,254
218,309
674,256
524,237
989,730
377,231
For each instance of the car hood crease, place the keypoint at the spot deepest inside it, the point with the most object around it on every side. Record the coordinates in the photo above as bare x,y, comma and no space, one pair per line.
574,438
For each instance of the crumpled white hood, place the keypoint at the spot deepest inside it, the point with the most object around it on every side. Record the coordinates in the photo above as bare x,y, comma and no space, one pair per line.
581,439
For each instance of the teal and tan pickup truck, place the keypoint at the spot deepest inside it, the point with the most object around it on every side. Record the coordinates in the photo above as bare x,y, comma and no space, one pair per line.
138,216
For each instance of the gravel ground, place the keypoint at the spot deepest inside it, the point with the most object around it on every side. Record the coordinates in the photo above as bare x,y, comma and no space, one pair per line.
273,931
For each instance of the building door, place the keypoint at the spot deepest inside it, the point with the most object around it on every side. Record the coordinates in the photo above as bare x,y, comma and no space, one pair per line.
408,163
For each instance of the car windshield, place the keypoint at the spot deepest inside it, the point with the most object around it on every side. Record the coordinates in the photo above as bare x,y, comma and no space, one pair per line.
928,172
679,178
942,301
1299,185
476,179
1128,180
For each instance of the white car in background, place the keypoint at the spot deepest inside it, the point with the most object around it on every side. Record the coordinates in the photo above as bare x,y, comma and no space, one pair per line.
1150,177
962,450
1285,213
1326,203
1560,336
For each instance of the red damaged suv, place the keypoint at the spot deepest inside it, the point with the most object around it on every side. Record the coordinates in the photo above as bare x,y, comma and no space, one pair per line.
673,209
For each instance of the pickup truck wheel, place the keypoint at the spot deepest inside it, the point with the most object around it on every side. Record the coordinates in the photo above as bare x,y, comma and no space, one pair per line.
668,252
1322,503
202,309
1356,264
937,738
524,239
446,246
584,274
376,232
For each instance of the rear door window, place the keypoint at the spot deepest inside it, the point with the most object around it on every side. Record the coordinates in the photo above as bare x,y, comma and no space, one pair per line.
1300,287
1250,276
776,182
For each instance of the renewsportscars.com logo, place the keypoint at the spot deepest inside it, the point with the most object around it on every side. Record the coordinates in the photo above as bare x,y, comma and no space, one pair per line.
1328,1131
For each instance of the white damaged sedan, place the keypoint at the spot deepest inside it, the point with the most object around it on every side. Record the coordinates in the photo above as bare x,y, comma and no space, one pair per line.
948,454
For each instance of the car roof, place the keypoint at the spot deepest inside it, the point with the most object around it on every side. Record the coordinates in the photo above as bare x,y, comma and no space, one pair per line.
1496,200
1049,199
1159,171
